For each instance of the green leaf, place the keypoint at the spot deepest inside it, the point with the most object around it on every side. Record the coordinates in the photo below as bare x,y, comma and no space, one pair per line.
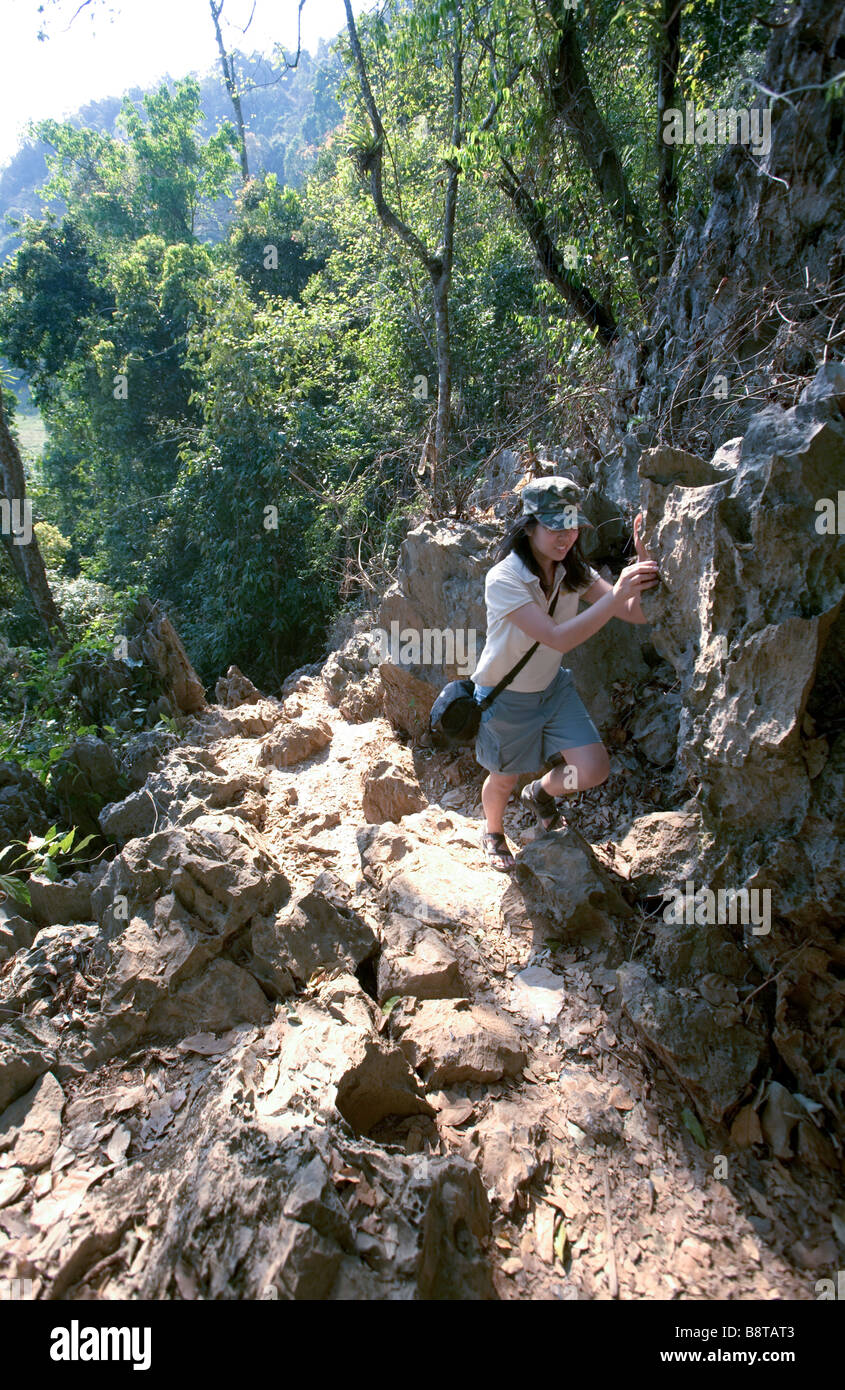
389,1005
14,888
65,844
560,1241
692,1123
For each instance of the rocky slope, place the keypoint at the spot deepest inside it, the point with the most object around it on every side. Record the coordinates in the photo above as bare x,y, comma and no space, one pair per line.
293,1038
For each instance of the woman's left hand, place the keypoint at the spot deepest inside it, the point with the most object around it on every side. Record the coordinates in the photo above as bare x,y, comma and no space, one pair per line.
639,546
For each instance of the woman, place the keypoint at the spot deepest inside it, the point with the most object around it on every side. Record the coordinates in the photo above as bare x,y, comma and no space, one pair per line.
539,718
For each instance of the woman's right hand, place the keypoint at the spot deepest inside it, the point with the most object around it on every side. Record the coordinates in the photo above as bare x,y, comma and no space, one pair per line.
634,580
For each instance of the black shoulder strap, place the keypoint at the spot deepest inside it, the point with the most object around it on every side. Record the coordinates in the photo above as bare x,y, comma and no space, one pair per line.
506,680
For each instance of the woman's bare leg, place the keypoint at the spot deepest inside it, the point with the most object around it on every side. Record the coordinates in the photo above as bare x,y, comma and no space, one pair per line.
587,766
495,795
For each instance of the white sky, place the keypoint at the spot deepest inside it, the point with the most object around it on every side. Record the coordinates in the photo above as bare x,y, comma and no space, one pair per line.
115,44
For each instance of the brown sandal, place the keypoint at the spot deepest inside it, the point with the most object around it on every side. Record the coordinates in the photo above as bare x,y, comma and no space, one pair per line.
495,846
544,806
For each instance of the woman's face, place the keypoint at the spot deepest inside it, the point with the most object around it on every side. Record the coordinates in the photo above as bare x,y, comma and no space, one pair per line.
553,544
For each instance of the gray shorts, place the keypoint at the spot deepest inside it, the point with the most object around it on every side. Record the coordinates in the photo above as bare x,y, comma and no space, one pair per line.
523,729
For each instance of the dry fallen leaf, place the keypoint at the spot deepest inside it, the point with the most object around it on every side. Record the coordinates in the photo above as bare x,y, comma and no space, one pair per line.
620,1099
12,1184
204,1043
118,1144
457,1114
745,1129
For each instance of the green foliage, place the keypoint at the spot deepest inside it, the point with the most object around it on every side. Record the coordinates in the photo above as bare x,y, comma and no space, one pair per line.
241,436
55,855
156,180
266,242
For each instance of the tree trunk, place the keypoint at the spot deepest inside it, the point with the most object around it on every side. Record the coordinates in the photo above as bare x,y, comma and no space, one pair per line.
572,99
440,292
438,266
231,86
13,488
667,76
583,304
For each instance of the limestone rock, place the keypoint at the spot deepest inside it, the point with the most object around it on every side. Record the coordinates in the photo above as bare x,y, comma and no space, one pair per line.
155,642
252,720
663,849
350,679
84,779
31,1126
448,1041
418,962
362,700
440,590
26,806
15,931
63,900
410,866
21,1063
613,653
656,730
52,959
713,315
713,1058
188,784
144,754
406,700
318,930
169,905
745,645
563,880
391,789
514,1149
293,743
222,996
588,1106
235,689
538,994
685,952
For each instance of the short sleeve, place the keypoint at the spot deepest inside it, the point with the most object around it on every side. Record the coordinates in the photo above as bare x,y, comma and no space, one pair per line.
504,593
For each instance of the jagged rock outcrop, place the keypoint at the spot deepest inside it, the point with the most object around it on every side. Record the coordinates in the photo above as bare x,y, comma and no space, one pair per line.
751,593
83,778
187,783
391,789
750,301
351,679
318,930
293,742
26,806
154,640
235,689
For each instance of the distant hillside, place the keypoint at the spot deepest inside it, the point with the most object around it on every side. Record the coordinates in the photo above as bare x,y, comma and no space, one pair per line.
288,113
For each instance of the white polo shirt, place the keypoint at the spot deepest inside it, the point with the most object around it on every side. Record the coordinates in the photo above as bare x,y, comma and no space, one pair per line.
508,586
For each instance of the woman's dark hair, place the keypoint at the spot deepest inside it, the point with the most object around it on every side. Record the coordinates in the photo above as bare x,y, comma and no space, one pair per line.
576,571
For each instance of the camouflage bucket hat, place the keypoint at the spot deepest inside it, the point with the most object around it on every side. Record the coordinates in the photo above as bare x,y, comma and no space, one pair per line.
556,502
